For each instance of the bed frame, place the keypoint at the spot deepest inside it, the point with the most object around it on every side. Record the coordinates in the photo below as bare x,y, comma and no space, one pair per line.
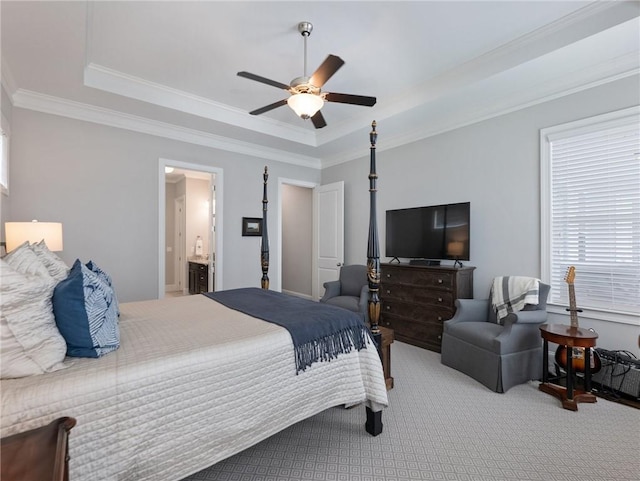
373,424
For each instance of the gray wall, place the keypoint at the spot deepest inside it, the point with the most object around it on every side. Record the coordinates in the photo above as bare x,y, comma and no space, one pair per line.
102,184
297,216
494,165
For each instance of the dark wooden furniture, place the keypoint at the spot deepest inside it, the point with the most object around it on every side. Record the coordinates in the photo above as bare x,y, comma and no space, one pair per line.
416,300
37,455
387,340
198,277
570,337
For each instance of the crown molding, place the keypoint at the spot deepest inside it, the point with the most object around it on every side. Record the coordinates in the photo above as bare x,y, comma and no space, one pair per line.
76,110
109,80
626,66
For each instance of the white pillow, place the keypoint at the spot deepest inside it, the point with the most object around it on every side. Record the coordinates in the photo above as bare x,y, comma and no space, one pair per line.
56,266
31,342
25,261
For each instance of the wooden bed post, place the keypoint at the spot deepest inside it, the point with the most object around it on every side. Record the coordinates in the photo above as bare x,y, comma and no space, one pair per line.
374,419
373,250
264,247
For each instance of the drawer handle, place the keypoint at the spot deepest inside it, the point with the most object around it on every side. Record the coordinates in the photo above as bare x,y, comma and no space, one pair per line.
439,281
388,308
439,299
439,318
388,275
440,337
388,291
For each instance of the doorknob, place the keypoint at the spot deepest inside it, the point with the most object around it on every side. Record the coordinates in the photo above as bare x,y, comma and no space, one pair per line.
339,264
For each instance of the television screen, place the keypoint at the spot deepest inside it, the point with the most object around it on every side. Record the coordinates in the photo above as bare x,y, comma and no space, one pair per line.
432,232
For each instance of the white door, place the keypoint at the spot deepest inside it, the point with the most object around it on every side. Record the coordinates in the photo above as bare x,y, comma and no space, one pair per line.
328,235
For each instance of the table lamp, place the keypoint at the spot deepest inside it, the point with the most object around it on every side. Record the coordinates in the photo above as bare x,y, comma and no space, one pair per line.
455,249
18,232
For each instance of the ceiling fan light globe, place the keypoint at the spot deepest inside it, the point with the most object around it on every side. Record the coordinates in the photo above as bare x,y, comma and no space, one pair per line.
305,105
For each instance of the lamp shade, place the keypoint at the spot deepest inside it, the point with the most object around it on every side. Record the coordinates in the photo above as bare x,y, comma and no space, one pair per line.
455,248
18,232
305,105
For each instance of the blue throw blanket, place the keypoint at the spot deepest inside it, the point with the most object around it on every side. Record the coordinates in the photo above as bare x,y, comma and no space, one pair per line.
320,332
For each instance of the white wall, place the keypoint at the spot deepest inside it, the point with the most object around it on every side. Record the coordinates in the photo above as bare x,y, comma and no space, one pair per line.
494,165
102,184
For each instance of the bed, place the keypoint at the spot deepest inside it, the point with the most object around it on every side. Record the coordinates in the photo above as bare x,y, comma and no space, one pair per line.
193,382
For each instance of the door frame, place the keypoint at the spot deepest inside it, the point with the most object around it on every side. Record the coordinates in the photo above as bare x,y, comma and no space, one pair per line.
281,182
218,172
180,251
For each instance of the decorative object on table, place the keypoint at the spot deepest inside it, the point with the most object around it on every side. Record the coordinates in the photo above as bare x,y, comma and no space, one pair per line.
199,247
251,226
578,357
306,99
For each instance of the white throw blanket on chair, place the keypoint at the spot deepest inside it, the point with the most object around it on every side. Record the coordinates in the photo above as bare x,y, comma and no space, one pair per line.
511,293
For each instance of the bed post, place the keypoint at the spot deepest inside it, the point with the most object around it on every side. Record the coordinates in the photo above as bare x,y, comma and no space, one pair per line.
264,247
374,419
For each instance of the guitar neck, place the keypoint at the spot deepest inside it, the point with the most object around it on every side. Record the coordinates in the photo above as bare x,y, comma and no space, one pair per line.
573,310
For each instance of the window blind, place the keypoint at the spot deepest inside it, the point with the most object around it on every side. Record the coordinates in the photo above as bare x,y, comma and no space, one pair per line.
595,216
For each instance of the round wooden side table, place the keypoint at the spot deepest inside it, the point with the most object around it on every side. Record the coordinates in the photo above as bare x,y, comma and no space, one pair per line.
570,337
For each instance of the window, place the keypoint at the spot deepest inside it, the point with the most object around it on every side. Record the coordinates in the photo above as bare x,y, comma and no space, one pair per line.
590,195
4,152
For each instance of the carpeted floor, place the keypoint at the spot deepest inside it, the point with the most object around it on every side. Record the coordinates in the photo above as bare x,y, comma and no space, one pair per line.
442,425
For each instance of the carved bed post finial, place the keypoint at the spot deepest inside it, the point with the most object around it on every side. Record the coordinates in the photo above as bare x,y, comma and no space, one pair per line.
264,247
373,250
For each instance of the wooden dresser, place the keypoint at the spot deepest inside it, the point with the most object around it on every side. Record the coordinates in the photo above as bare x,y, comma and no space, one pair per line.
416,300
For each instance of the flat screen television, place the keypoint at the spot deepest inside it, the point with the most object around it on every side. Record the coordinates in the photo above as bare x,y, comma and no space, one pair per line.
432,232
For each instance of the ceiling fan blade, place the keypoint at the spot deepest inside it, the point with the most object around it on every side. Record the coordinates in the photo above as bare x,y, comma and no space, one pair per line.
350,99
318,120
266,108
324,72
263,80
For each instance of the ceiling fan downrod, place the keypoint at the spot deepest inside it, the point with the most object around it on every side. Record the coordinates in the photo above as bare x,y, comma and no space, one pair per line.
305,29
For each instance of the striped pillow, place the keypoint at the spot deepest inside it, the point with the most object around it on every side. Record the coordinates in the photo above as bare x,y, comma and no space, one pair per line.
86,313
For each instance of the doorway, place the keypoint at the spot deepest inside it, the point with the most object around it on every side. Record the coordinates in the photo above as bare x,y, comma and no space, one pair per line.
190,226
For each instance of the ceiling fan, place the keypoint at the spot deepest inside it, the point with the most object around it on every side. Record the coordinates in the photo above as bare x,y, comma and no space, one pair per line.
306,98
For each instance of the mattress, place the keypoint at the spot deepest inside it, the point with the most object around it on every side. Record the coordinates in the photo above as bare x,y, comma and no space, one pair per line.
193,383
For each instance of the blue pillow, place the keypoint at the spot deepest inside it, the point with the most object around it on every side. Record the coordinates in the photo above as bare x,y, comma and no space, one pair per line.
93,267
85,313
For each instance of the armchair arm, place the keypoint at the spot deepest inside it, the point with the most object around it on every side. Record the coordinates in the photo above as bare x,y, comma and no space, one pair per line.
526,317
364,302
332,289
470,310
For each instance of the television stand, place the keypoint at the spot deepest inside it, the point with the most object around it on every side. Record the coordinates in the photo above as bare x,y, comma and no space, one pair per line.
423,262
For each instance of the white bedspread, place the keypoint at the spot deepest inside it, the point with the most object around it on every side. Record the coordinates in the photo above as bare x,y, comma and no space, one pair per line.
192,383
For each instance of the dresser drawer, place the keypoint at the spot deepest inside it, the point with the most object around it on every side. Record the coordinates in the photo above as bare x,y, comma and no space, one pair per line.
415,332
418,276
418,294
417,312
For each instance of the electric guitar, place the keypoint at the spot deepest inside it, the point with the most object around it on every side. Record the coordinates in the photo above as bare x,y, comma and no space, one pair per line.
578,361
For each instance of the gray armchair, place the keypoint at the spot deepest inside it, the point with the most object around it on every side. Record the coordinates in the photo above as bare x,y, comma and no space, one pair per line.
498,356
350,291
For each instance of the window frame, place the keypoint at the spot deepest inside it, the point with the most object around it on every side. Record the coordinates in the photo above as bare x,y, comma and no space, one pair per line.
547,135
5,132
